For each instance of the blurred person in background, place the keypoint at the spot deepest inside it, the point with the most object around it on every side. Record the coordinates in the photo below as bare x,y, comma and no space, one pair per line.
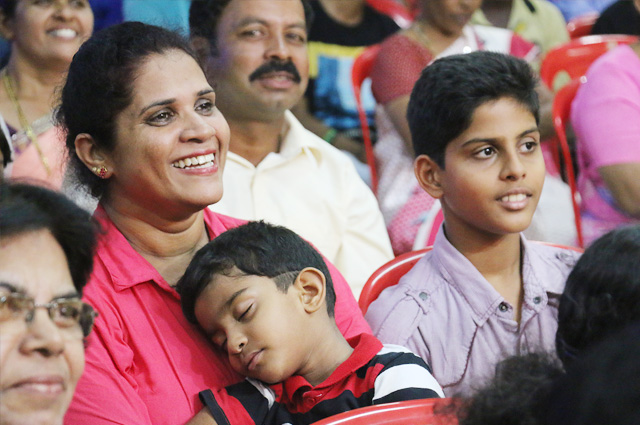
339,33
605,115
622,17
44,36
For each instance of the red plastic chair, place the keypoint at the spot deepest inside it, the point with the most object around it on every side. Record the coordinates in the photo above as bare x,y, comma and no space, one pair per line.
412,412
359,72
561,112
575,57
388,275
581,25
393,9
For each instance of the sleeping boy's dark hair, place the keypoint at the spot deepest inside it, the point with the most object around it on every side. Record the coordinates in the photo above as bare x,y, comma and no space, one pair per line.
602,294
448,92
255,249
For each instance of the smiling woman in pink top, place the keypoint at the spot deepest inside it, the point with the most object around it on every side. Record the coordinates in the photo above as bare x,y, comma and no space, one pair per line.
145,136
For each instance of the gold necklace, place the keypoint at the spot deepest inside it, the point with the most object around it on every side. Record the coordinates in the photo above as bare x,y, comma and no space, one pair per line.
24,123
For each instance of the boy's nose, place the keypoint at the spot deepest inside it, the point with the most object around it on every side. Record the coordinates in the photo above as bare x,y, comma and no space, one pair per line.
236,343
513,168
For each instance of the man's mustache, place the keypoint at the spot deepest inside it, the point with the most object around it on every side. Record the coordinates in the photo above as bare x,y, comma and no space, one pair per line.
276,66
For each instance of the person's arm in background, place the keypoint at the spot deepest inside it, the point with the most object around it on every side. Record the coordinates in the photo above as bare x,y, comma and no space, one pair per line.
606,118
393,75
319,128
365,244
396,109
623,180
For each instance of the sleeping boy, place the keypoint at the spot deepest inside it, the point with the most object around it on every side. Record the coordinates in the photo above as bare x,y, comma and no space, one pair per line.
265,297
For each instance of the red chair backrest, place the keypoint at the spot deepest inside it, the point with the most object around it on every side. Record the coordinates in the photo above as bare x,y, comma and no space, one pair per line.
575,57
561,111
581,25
394,10
359,72
387,275
412,412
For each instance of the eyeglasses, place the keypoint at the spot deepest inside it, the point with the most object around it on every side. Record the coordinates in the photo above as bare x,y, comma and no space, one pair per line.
68,314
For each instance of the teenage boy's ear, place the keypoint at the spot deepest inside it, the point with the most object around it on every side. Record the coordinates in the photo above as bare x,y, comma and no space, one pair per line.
429,175
311,286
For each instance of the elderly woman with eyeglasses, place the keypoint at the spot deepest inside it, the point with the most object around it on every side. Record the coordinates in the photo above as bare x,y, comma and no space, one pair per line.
46,255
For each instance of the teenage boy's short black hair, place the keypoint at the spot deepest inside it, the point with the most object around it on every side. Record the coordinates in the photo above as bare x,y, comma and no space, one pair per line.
256,249
449,91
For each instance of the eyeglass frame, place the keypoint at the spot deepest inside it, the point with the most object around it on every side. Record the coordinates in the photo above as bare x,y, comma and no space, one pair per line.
86,316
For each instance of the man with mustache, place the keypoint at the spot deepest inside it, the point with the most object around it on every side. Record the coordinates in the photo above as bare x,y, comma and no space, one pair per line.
256,56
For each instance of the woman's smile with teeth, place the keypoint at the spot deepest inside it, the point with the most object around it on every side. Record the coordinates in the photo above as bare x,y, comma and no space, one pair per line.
64,33
195,161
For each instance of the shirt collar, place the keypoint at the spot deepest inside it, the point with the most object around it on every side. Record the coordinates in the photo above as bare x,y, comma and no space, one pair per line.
125,266
297,141
480,295
365,347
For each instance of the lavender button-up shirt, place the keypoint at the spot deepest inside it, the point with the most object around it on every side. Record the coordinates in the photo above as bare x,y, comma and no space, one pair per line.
448,313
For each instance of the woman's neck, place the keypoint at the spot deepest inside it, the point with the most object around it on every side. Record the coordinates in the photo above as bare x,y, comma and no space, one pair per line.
168,244
498,12
34,87
431,37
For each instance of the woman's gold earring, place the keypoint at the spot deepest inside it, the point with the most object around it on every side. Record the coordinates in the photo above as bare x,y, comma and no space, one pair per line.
100,171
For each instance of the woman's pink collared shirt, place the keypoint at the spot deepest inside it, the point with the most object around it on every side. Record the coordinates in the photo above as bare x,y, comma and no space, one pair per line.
145,363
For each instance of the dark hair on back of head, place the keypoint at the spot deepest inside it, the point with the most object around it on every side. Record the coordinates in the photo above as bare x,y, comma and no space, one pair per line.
515,393
602,294
99,86
255,249
204,17
25,208
448,92
600,387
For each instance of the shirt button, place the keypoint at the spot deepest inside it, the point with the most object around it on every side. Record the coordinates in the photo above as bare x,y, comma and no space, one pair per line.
503,307
423,296
536,300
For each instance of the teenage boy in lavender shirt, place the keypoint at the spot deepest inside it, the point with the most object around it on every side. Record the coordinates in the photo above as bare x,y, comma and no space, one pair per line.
484,292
